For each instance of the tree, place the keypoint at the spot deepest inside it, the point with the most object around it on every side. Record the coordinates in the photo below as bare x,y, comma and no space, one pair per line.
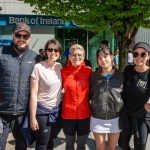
123,17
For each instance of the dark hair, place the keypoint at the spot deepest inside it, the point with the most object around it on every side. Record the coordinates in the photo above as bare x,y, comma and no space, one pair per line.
40,50
130,51
53,41
105,42
73,40
116,50
105,50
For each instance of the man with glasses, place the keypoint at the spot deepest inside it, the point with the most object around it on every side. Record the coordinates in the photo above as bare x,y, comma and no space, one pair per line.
16,63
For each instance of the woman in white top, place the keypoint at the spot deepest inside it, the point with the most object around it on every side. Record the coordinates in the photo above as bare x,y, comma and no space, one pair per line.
45,94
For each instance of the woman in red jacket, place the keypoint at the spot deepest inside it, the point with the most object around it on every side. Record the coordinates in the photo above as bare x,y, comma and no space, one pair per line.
75,108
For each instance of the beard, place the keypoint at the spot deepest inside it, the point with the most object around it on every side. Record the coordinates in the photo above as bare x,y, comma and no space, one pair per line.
20,49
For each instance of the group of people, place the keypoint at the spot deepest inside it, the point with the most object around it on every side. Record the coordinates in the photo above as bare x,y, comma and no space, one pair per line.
129,57
105,102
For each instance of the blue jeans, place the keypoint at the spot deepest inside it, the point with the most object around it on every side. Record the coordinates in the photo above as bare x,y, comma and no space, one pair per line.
13,123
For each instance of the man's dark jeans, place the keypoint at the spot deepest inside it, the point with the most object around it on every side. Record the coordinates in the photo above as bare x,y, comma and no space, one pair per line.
12,123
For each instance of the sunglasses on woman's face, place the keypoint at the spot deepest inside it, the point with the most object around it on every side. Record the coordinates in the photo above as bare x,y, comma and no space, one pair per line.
53,49
142,55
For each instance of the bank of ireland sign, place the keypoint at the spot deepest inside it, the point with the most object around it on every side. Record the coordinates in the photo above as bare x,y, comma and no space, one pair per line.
35,20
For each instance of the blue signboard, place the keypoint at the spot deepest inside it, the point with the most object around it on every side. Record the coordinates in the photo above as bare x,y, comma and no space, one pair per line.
5,42
34,20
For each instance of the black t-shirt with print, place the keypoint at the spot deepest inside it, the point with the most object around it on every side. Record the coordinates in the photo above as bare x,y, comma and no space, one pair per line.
136,90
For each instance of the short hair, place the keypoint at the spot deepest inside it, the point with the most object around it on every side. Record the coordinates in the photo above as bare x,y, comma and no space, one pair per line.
40,49
75,47
73,40
53,41
105,42
116,50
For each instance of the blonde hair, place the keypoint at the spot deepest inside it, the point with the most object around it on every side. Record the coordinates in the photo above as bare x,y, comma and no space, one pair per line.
76,47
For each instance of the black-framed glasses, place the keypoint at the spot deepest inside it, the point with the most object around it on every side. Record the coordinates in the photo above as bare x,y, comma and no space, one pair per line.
142,55
25,36
53,49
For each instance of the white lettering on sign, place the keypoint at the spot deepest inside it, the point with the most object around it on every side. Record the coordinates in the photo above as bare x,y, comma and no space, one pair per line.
36,21
33,21
12,20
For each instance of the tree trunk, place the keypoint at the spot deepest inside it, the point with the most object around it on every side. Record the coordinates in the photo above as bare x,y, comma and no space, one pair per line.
122,54
124,41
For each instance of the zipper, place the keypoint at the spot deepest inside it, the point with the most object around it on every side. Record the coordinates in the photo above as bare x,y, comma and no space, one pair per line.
18,91
106,98
76,98
20,59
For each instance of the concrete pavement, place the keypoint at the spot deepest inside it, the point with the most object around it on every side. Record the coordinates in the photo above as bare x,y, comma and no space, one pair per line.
60,143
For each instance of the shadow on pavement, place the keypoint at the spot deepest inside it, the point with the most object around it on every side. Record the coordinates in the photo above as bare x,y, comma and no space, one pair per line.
12,142
91,144
59,141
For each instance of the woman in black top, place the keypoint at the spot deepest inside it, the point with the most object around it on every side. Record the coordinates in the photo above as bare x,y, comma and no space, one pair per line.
136,98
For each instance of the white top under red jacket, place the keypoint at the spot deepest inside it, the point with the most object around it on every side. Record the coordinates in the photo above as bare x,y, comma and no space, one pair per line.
75,81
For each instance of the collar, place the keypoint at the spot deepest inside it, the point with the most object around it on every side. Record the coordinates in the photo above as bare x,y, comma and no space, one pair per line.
116,74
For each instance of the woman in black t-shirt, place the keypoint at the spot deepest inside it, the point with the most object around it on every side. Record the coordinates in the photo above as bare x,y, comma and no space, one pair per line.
137,98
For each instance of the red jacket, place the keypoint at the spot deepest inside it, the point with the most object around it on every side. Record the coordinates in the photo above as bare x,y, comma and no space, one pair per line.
76,85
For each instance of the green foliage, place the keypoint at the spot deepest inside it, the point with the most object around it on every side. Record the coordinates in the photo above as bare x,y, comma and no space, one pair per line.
97,14
120,16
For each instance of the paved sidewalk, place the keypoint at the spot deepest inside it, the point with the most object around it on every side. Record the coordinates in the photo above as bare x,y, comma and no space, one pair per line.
60,143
